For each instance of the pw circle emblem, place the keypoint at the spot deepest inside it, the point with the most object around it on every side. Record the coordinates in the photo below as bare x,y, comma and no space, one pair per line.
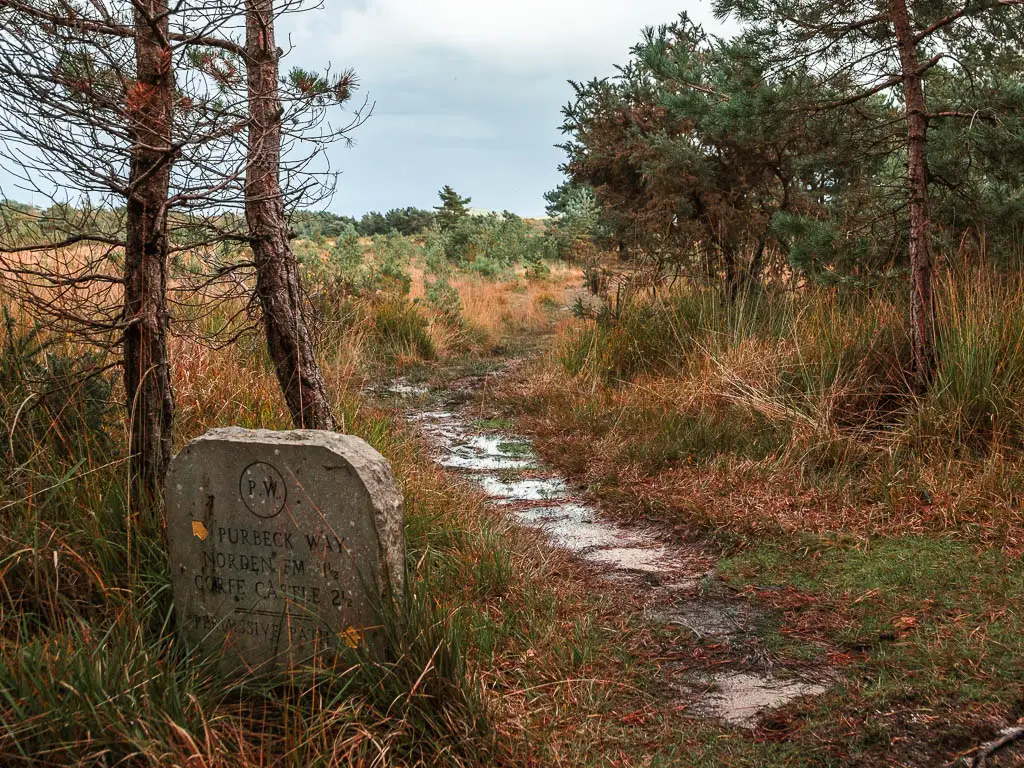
262,489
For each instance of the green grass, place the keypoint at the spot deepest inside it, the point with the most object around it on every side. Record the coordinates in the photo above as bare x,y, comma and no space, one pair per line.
933,624
948,589
515,448
495,424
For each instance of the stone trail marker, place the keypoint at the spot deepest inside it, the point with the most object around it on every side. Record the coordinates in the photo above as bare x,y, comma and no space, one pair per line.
280,543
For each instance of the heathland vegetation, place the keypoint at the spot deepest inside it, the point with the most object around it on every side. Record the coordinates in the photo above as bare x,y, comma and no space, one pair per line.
810,342
91,671
777,308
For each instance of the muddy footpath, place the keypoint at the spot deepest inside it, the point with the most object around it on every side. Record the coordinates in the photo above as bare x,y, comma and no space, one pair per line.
668,583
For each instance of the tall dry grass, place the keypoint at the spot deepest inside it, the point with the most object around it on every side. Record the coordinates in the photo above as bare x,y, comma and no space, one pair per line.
90,667
800,406
523,307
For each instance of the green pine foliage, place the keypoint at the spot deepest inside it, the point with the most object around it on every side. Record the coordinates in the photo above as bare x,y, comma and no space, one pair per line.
727,157
575,221
403,221
492,245
452,210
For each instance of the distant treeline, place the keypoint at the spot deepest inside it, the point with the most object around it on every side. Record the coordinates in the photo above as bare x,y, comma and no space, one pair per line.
404,221
30,223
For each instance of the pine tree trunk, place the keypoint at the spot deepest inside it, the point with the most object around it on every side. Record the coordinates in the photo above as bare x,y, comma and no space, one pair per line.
733,271
922,309
277,276
757,261
147,376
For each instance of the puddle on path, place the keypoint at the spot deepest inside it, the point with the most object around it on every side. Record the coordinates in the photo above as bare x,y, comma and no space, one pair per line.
545,489
486,452
664,575
402,389
569,526
738,698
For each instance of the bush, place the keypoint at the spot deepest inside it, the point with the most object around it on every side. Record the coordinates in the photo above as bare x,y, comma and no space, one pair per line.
387,273
491,246
976,394
318,225
575,223
401,221
346,271
444,298
401,329
833,361
53,405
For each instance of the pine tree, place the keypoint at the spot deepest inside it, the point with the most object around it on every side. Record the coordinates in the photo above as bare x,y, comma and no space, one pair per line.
278,283
692,153
452,209
89,108
889,47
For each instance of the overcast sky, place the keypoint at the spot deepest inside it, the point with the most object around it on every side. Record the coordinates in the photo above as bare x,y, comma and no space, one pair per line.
467,92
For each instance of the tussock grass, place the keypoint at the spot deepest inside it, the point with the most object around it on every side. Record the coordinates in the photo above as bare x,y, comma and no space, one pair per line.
402,329
475,658
805,395
977,397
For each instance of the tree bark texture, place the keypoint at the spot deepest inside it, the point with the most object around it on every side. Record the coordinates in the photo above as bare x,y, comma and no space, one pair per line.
733,270
922,308
277,276
147,375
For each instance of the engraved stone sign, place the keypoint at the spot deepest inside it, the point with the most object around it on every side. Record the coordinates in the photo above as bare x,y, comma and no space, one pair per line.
281,543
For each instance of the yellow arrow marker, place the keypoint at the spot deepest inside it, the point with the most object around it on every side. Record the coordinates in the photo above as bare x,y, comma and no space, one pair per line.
199,530
352,637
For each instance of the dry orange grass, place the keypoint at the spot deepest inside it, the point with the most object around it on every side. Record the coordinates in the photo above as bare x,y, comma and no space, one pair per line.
514,308
227,386
594,433
794,427
495,310
536,650
418,284
491,311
